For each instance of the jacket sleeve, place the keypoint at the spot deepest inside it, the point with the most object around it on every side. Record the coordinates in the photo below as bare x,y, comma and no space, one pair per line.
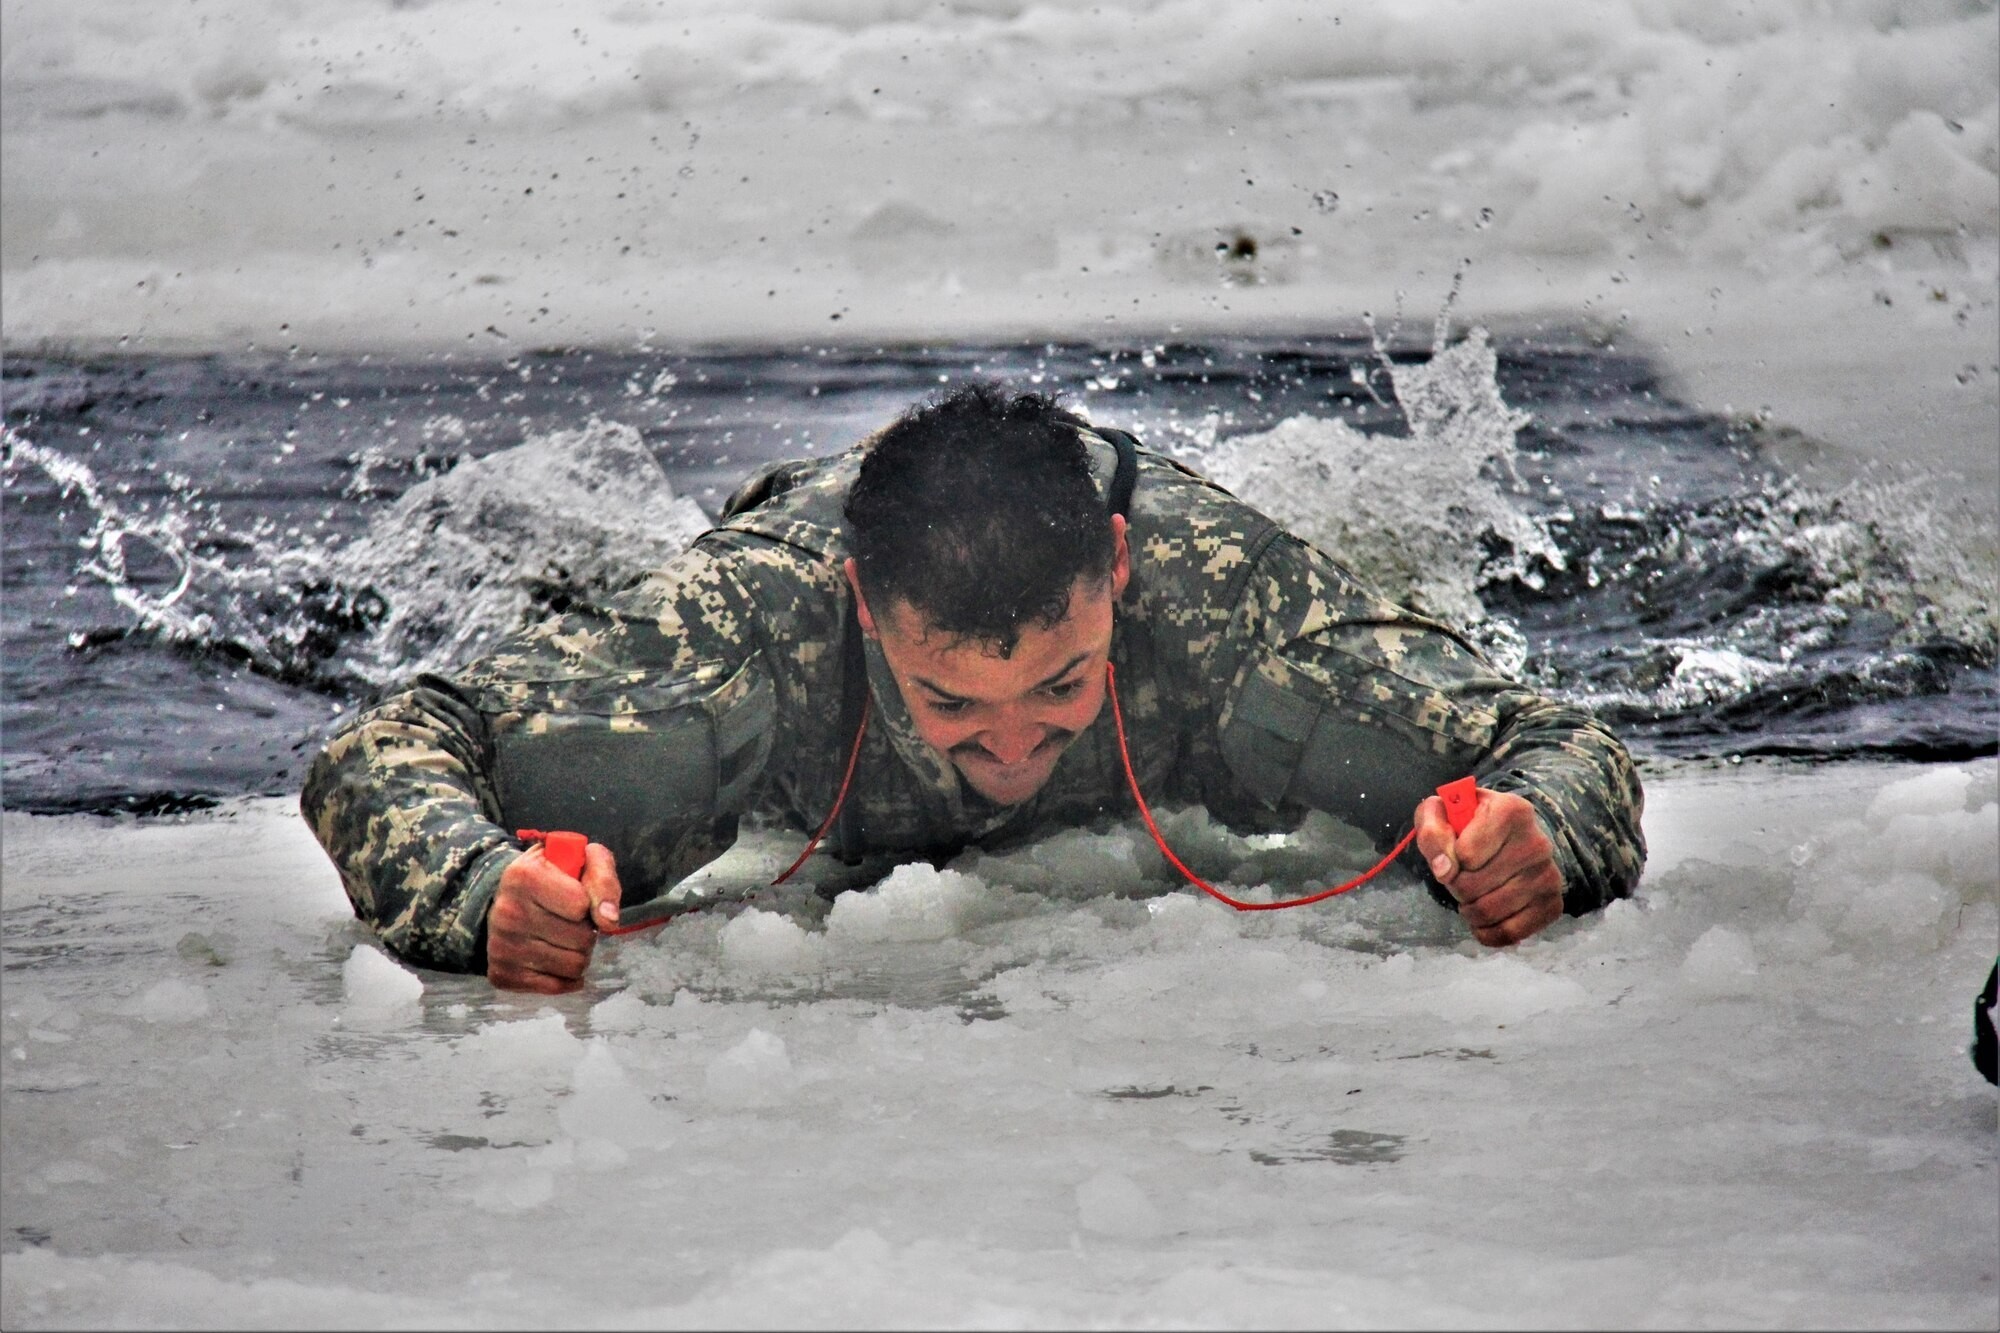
1345,702
644,722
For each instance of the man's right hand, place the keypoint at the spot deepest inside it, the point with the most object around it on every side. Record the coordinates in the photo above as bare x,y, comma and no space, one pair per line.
539,934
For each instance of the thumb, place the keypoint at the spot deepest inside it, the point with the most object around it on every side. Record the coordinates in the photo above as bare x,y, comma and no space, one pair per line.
600,881
1435,840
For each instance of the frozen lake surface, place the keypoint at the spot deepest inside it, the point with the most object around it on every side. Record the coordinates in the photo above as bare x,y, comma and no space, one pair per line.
1047,1089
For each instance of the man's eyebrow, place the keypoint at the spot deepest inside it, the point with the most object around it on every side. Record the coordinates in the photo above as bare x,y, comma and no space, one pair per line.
1043,683
1062,671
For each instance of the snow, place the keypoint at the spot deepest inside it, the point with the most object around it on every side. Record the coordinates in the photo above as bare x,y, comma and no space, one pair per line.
169,1001
373,982
1045,1088
1721,962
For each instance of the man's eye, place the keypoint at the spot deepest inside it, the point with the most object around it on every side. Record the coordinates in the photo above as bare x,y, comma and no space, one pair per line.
1067,690
947,707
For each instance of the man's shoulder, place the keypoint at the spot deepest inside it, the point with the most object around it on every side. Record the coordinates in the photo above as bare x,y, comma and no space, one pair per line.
1192,541
796,502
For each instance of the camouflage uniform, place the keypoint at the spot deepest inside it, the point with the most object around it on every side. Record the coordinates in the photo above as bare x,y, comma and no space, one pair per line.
1258,678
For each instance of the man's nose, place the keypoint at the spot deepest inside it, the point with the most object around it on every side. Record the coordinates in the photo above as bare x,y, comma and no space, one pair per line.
1013,742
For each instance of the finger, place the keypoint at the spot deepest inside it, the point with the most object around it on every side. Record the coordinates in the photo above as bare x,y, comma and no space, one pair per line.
558,932
1535,917
527,979
535,955
549,888
519,915
1502,901
513,947
1503,838
1436,843
600,882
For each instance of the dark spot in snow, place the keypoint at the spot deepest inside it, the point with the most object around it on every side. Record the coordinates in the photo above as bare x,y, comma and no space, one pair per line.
1344,1147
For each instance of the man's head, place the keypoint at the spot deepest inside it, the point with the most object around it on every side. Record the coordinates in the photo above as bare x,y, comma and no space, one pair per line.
986,565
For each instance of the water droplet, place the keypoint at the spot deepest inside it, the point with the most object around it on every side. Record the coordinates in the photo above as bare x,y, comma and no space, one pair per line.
1484,220
1326,201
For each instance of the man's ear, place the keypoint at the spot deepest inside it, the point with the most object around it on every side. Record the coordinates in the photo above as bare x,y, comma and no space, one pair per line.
1121,559
861,610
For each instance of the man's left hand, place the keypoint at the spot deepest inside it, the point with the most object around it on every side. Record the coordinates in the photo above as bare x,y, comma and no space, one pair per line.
1502,869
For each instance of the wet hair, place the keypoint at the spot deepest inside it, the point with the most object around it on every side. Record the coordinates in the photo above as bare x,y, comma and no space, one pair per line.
978,509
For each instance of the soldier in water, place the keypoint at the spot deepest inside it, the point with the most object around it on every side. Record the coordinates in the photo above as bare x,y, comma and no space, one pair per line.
910,647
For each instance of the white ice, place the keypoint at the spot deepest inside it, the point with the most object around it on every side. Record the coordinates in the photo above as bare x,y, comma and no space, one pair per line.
1044,1089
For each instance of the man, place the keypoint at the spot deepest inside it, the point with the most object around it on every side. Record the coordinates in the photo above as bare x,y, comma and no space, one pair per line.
941,603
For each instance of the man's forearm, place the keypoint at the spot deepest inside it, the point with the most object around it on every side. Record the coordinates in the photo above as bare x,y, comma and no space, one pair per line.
399,802
1581,781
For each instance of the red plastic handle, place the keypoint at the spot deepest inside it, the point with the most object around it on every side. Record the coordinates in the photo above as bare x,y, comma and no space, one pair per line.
563,850
1461,800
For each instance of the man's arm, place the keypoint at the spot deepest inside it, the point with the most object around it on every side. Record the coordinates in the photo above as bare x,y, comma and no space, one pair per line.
644,724
401,802
1350,704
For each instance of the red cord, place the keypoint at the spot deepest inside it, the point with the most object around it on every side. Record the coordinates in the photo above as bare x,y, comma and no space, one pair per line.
628,930
1125,753
839,800
1145,813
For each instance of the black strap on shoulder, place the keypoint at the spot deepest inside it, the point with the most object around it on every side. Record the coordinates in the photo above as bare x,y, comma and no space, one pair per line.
853,697
1118,498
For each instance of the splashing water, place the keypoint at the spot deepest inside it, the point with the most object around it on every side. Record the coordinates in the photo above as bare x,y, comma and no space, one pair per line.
1780,600
1424,518
1616,550
458,561
466,557
272,606
1770,599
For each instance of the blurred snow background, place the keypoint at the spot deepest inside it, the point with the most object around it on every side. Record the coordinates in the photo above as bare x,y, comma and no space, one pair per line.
1794,201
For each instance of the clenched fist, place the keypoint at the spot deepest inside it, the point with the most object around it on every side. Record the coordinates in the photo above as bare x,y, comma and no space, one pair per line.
1502,869
543,924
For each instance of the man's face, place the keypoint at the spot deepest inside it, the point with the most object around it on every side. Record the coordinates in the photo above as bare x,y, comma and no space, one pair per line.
1004,721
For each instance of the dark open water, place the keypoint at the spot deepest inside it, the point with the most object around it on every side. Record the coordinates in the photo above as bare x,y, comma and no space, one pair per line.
1709,605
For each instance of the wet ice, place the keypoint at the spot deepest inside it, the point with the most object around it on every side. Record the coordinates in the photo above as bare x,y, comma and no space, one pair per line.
1127,1101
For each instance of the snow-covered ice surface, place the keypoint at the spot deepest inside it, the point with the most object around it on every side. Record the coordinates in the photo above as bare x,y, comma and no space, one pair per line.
1041,1089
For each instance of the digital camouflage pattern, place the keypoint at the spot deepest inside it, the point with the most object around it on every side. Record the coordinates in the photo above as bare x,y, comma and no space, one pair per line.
1257,676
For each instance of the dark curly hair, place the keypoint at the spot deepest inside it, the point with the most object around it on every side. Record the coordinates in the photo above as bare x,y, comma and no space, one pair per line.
978,509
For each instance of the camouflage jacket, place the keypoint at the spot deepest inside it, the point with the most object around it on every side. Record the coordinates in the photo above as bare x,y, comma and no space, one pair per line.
1258,678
